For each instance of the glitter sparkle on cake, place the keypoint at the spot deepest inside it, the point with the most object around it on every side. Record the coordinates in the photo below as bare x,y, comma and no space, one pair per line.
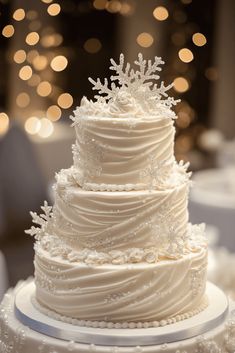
131,93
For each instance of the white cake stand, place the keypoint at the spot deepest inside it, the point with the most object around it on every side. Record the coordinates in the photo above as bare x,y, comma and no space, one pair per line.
213,316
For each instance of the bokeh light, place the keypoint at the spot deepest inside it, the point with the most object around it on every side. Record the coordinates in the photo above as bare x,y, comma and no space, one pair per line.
32,125
99,4
34,80
4,123
199,39
44,89
32,38
31,55
54,113
46,128
65,100
113,6
19,56
40,62
54,9
8,31
51,40
92,45
127,9
185,55
181,85
47,1
31,15
25,72
145,39
59,63
161,13
23,100
19,14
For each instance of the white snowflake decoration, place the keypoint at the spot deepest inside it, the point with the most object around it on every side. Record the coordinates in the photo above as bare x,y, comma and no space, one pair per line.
139,83
43,220
130,91
157,172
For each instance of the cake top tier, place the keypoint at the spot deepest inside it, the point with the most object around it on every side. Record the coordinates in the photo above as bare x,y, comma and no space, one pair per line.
133,93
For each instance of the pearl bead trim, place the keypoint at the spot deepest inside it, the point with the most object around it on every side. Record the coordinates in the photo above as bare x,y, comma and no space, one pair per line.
119,325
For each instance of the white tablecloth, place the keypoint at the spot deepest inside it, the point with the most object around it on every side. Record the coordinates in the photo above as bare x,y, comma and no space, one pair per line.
3,276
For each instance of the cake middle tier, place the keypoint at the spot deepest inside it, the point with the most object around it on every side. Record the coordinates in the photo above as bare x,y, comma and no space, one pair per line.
105,221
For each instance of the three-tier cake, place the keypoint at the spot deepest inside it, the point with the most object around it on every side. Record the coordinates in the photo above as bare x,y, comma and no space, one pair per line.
116,251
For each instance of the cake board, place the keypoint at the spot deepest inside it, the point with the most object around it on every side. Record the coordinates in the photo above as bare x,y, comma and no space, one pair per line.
213,316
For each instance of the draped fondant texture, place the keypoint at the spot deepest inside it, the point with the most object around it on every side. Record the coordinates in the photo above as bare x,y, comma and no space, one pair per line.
123,151
105,221
124,293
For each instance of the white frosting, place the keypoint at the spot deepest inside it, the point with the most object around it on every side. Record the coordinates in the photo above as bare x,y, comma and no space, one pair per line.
137,292
105,221
112,151
17,338
119,325
117,246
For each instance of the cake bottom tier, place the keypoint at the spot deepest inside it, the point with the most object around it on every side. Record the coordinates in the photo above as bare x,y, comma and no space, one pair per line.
18,338
148,294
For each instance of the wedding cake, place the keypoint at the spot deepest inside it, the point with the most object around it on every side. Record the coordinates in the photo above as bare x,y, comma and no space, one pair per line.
116,252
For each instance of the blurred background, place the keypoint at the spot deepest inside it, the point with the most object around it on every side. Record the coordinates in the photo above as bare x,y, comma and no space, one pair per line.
49,48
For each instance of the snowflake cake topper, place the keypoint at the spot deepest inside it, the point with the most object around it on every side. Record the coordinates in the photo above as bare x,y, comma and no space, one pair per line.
132,92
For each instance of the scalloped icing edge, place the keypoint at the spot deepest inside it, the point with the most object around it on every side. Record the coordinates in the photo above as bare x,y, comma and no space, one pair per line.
119,325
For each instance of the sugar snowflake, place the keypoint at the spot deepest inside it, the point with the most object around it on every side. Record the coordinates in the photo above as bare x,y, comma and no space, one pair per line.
42,220
139,83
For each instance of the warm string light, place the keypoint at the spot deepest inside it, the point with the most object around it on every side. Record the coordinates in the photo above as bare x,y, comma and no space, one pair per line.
54,113
46,128
41,123
65,100
4,123
160,13
25,73
100,4
54,9
40,62
8,31
34,80
19,56
113,6
185,55
32,125
22,100
51,40
32,38
199,39
59,63
181,85
44,89
145,39
19,14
